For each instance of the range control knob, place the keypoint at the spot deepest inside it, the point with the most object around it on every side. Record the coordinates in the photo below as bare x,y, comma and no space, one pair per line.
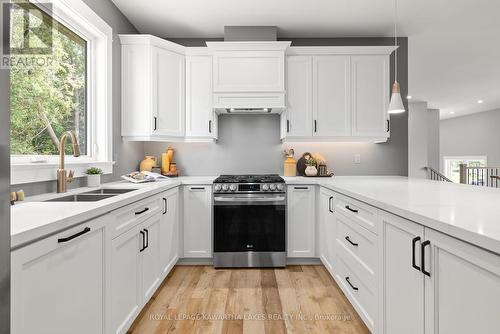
265,187
272,187
225,187
280,187
218,187
233,187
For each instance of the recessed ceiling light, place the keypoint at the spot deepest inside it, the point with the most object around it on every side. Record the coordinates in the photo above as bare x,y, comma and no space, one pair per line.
409,97
452,112
480,101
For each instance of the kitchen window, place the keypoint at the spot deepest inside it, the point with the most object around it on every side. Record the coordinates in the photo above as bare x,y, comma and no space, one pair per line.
452,165
60,68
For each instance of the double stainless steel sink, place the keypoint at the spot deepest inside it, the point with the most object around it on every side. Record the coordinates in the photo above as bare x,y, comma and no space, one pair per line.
92,196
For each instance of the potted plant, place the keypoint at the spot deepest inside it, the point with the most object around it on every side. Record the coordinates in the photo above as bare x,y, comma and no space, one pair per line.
311,167
94,176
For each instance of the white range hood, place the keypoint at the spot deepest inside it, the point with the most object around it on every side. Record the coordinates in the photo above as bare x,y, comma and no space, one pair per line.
249,77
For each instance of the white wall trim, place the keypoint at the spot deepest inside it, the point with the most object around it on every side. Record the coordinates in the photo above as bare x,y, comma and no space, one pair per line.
340,50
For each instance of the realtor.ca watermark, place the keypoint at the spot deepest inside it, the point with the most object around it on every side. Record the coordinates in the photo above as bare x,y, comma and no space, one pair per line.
26,34
249,317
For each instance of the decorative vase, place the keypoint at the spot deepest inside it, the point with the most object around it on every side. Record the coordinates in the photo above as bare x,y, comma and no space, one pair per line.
94,180
147,164
311,171
290,166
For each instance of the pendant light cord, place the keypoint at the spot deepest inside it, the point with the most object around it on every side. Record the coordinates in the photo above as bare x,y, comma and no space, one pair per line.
396,40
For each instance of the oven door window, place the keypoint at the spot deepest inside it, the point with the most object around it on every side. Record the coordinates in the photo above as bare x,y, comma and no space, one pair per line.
241,228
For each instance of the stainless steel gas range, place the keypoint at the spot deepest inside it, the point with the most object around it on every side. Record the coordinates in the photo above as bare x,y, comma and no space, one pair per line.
249,221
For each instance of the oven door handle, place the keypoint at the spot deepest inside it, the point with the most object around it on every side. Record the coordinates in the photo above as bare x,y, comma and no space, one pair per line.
249,199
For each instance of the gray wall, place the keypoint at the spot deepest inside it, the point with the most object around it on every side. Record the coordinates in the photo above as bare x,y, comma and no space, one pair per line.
126,154
423,139
4,202
476,134
251,144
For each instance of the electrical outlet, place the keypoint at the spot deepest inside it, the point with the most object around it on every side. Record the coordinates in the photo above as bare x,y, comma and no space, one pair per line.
357,158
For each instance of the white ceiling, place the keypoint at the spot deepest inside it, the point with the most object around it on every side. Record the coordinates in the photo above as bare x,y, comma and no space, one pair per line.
454,45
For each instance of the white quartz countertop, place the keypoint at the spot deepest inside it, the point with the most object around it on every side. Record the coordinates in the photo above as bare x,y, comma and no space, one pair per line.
466,212
34,219
469,213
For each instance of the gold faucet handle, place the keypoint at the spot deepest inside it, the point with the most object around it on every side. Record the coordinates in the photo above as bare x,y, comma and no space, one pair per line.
71,176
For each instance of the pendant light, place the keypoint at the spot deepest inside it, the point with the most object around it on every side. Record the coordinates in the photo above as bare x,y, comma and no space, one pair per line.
396,105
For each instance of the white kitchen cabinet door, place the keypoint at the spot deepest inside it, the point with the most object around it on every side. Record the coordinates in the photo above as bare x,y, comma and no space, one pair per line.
150,257
168,93
125,278
199,112
57,283
327,231
462,293
301,221
249,71
403,289
299,93
197,221
169,232
370,95
331,97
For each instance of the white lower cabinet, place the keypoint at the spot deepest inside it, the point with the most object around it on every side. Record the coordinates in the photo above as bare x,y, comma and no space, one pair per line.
436,284
462,293
403,284
301,221
169,231
140,259
197,225
57,284
326,229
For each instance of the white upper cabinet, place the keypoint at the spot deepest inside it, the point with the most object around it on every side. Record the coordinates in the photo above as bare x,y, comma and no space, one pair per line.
153,89
370,95
331,105
168,93
199,113
298,116
337,94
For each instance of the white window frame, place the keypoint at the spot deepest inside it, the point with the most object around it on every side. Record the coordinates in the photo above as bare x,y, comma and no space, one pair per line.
446,166
78,17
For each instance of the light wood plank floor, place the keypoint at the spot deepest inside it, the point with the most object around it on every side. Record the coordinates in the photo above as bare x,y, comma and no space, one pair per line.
201,299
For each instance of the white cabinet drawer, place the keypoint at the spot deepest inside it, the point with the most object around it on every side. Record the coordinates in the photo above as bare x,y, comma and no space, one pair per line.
359,248
363,214
127,217
360,295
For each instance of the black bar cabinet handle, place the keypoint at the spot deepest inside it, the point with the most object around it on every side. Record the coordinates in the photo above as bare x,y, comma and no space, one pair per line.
350,241
197,188
141,212
143,247
315,126
210,126
330,204
287,126
388,125
350,209
147,238
413,245
424,244
155,122
352,286
301,188
164,205
76,235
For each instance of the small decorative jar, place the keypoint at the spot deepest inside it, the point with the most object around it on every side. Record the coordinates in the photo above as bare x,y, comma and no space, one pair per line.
311,171
148,163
